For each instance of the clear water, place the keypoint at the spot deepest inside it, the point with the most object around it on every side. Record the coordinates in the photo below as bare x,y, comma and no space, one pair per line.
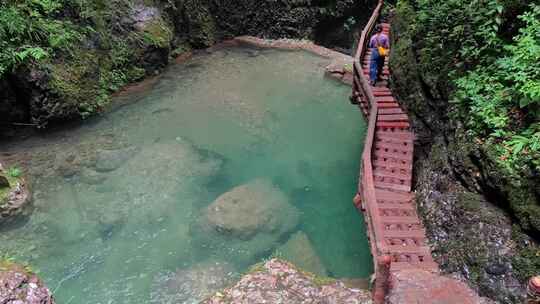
215,122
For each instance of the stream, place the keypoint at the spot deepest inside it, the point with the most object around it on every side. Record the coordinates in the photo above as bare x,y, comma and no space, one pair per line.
119,198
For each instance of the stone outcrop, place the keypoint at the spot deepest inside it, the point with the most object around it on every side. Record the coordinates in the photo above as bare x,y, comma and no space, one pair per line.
280,282
466,202
129,40
15,199
18,286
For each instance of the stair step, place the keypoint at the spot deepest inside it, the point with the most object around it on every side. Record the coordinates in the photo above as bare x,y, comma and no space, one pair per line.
390,174
392,186
393,117
396,147
393,124
428,266
405,234
400,249
392,164
386,105
385,99
408,135
394,141
382,155
394,196
391,111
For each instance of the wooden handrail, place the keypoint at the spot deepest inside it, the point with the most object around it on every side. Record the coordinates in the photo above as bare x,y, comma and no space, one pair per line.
362,43
362,87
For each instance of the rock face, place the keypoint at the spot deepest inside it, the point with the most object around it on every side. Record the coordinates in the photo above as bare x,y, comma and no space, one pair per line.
192,285
17,286
249,219
148,32
464,198
17,202
418,286
301,253
280,282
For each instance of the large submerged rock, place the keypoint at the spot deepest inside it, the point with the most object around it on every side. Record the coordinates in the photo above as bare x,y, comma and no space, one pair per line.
247,220
280,282
18,286
301,253
250,209
192,285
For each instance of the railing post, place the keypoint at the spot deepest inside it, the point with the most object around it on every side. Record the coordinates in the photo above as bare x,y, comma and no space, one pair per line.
533,291
382,279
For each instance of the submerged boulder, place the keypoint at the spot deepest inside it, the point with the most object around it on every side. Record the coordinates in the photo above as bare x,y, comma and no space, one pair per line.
250,209
109,160
246,221
20,286
192,285
300,252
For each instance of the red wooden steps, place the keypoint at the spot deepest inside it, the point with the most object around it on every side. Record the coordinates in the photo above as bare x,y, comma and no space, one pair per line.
392,165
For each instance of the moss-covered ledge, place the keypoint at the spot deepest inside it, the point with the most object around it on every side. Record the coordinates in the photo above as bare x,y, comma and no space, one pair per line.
19,284
15,194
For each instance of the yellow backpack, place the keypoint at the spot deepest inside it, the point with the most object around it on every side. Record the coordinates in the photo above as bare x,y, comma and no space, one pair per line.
383,52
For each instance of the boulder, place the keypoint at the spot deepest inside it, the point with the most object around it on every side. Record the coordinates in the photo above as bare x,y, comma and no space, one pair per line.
4,182
91,177
245,223
301,253
249,209
192,285
17,203
18,286
280,282
110,160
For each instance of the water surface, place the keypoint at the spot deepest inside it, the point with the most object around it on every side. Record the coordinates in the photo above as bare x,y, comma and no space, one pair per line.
116,198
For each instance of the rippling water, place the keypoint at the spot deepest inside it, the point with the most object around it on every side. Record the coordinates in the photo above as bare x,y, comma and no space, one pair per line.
117,197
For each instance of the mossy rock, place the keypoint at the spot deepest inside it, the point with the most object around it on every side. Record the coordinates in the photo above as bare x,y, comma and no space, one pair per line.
15,199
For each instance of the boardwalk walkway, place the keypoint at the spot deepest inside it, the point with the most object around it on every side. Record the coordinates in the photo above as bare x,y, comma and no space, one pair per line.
398,225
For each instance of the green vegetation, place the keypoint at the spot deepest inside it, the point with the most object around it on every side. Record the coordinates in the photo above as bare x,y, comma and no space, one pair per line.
13,175
469,69
482,57
81,47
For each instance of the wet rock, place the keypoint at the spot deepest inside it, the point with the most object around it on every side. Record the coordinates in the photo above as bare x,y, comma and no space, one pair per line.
280,282
4,183
17,204
91,177
496,269
192,285
18,286
418,286
301,253
110,160
245,223
68,165
143,15
249,209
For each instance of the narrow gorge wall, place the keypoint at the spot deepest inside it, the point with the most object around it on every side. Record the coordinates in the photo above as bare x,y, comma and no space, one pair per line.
122,41
471,208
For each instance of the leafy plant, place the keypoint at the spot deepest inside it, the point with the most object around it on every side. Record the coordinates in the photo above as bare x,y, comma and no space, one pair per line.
14,172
